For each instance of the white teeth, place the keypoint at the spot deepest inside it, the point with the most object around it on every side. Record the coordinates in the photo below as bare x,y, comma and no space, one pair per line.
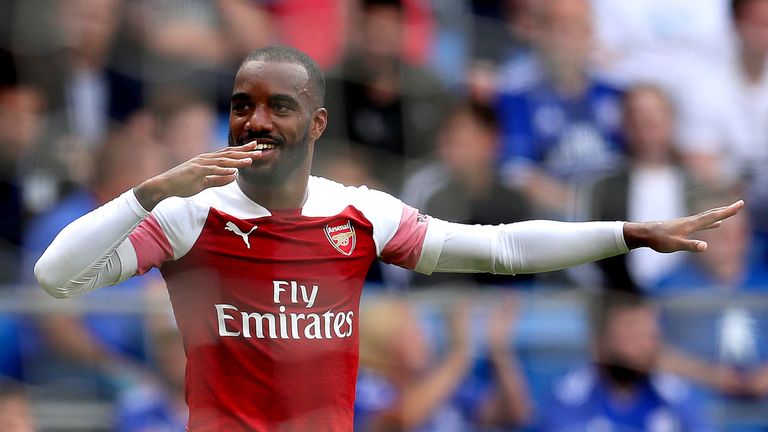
264,146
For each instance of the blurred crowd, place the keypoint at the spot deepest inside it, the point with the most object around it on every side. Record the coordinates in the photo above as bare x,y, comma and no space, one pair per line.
474,111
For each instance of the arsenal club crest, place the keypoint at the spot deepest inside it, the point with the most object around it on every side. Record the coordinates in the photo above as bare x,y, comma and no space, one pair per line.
342,237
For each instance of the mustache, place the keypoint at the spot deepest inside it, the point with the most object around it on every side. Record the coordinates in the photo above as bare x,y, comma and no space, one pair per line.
250,136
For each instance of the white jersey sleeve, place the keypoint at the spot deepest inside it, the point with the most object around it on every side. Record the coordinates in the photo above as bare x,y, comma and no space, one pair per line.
93,250
116,241
527,247
412,240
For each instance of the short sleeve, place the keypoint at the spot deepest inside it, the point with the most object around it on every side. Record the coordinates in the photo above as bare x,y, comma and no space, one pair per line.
403,236
168,233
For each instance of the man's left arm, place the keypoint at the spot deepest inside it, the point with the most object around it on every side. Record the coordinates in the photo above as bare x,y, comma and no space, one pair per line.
537,246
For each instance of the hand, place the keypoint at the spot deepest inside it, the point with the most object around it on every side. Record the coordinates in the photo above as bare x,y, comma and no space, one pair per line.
201,172
757,382
459,326
730,381
672,235
502,323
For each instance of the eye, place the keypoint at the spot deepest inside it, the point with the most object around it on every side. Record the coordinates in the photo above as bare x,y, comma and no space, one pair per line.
280,108
239,107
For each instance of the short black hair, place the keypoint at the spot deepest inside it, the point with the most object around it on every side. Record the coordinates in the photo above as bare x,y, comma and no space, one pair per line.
286,54
480,112
605,304
369,4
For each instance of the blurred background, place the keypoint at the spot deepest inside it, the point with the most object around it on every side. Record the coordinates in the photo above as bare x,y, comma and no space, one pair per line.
476,111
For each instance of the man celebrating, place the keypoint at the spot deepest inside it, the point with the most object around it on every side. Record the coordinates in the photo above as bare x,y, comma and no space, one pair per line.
264,263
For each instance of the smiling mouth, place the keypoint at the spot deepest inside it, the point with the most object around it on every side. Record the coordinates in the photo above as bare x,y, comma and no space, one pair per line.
264,146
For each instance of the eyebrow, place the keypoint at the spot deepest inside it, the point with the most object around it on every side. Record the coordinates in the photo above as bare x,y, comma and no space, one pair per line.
284,98
243,96
240,96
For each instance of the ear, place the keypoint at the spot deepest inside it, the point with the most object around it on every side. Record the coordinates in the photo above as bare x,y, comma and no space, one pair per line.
319,122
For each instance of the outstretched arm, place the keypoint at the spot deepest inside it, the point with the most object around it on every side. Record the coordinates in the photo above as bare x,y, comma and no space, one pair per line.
93,251
538,246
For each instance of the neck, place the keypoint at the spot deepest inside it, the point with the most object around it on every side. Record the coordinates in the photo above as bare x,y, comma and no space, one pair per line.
477,184
290,195
727,272
570,81
652,163
753,65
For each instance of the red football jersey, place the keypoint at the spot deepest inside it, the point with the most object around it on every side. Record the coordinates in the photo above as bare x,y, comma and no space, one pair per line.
267,302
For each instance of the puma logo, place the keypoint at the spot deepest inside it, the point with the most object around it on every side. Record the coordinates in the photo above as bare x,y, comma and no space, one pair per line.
232,227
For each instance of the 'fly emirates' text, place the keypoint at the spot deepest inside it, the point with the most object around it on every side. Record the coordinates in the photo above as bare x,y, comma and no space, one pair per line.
283,325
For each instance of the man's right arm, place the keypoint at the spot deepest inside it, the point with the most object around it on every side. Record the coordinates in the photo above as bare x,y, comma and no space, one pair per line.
94,250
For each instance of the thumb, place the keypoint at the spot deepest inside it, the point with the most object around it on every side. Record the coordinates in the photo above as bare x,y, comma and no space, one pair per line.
692,245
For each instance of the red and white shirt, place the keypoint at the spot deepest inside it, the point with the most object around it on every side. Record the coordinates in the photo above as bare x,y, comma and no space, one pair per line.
267,301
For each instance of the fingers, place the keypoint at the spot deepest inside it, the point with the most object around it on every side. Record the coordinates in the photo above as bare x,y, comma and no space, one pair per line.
232,155
245,147
691,245
713,216
711,226
219,180
228,162
218,170
239,152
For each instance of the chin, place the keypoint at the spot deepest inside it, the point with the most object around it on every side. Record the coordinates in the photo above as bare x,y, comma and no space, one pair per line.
258,175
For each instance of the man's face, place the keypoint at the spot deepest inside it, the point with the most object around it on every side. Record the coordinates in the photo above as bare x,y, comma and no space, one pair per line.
272,103
649,125
632,338
565,33
382,31
752,26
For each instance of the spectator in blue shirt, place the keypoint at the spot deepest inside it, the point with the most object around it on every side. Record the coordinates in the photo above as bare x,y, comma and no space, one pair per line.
622,390
561,125
157,404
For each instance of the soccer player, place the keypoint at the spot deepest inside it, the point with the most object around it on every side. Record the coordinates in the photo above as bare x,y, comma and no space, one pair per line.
264,263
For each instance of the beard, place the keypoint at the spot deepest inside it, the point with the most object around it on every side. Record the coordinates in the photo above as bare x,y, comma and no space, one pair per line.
622,375
291,158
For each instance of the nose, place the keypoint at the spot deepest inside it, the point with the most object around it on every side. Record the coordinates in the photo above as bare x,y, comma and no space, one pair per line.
260,119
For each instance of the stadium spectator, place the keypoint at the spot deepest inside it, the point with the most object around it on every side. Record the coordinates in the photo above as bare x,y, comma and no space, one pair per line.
98,348
715,313
622,388
264,263
405,385
157,403
461,185
74,54
502,32
725,111
652,187
21,109
85,89
183,123
390,108
561,126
